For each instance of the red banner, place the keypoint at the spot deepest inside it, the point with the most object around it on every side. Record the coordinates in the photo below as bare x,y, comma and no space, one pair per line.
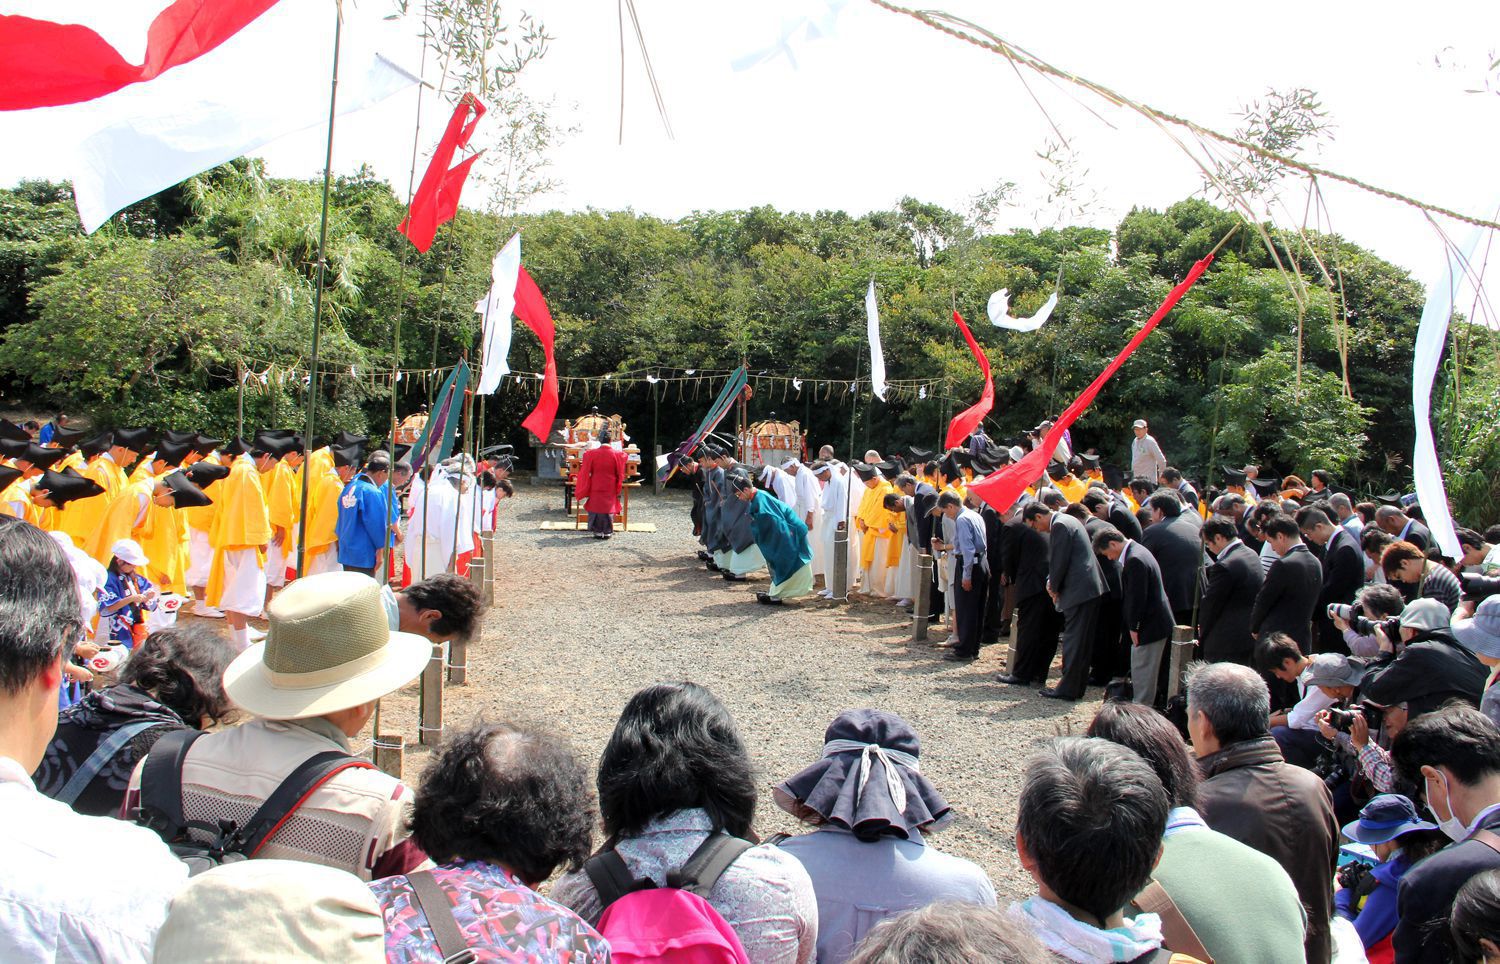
436,199
965,422
531,308
1002,489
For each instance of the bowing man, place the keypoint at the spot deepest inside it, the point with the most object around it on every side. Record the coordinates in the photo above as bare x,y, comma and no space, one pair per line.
781,536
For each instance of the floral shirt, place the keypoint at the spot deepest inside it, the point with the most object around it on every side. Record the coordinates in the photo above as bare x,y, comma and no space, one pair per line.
502,918
116,588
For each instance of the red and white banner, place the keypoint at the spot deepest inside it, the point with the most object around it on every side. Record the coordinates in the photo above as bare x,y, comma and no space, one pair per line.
494,311
965,422
436,199
1003,488
151,93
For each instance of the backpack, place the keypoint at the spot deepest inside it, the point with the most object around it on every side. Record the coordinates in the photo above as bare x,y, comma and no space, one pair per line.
161,804
674,924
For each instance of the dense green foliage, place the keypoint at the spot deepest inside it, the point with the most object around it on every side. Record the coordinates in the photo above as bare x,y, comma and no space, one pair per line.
150,319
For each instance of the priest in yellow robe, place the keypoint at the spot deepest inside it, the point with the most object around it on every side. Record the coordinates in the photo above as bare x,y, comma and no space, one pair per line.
872,521
324,487
237,577
279,489
199,522
146,512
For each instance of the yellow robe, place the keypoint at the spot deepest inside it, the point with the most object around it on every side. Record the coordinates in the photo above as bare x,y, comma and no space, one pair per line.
323,511
898,540
162,535
1072,487
17,491
241,522
201,517
81,519
873,514
143,469
279,486
73,460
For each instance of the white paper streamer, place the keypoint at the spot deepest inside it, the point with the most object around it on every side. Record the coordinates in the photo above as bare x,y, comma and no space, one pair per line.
877,357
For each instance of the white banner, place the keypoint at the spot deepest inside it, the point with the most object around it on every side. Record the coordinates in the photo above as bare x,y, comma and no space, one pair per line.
999,311
877,357
494,311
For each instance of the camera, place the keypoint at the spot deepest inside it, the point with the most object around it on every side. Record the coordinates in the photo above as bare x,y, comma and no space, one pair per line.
1343,719
1365,626
1344,611
1479,587
1353,874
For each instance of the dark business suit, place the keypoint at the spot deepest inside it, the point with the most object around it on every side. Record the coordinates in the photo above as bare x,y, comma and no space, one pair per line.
1288,597
1073,576
1418,535
994,593
1144,611
1178,548
1343,575
1037,621
1123,519
922,505
1230,586
1111,650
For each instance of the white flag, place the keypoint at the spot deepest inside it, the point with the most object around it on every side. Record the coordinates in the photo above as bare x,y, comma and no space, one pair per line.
877,357
268,80
495,310
999,312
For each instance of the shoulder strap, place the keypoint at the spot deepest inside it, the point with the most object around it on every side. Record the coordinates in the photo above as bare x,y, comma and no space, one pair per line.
438,910
1177,933
708,863
1487,837
611,878
291,794
161,784
101,757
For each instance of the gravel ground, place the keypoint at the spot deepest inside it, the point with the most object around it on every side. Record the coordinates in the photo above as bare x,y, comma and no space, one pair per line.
579,625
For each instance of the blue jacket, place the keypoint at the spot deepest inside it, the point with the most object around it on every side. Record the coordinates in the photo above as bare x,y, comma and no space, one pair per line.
1376,919
363,528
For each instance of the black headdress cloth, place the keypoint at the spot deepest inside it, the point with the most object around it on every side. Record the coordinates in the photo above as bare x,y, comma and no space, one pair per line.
868,780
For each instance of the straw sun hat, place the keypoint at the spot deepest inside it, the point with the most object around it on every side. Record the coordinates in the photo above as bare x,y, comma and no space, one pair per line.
329,647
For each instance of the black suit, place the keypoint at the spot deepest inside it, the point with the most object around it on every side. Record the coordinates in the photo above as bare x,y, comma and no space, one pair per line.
1230,586
1144,610
1111,650
1037,621
1178,549
1288,597
1427,893
1074,575
1343,575
994,594
1123,519
1418,535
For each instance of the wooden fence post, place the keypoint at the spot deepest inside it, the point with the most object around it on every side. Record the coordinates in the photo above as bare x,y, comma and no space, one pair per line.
430,699
923,597
1183,646
839,586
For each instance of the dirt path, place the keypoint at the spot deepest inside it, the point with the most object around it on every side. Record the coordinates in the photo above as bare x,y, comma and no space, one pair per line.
579,625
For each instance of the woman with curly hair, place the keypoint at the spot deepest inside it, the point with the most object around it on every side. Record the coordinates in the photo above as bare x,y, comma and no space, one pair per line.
174,680
501,807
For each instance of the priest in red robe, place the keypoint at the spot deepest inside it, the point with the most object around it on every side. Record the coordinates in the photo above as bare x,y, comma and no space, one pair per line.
601,477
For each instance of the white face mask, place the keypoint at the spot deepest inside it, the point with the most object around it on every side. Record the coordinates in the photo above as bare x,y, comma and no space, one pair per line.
1455,828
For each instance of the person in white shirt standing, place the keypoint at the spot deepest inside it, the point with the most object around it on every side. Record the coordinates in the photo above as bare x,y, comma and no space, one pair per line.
74,888
1146,458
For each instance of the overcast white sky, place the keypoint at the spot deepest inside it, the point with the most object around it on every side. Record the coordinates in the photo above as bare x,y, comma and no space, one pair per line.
885,107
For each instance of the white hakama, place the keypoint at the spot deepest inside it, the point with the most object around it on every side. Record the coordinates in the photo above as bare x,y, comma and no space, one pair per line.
244,583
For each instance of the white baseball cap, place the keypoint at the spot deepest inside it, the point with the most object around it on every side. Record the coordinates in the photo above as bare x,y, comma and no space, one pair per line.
128,550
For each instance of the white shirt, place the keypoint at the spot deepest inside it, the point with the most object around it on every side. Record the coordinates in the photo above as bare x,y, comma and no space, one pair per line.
76,888
1313,701
808,493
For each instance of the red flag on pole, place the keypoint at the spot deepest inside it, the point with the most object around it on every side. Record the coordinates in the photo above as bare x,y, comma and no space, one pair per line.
47,64
965,422
436,199
531,308
1003,488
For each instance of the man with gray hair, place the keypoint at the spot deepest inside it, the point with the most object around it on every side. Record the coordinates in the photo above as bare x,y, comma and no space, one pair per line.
1343,509
1252,794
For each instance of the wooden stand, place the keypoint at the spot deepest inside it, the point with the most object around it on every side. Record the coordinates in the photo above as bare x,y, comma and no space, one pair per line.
1183,647
840,582
430,699
923,597
389,753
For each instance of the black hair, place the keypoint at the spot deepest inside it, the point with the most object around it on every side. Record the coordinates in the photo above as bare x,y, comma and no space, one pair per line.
1156,740
1034,510
1052,498
1077,511
1281,525
1219,527
1166,503
1470,539
1171,475
892,502
379,463
40,617
1092,815
1093,499
1140,484
1457,736
1373,539
1476,915
506,486
1311,516
1275,649
182,668
455,597
675,747
1107,537
947,499
1492,535
1322,476
508,795
1380,599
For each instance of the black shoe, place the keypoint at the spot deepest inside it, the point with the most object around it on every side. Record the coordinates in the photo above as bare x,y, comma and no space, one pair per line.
1010,679
714,568
1051,693
955,656
705,556
764,598
731,577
